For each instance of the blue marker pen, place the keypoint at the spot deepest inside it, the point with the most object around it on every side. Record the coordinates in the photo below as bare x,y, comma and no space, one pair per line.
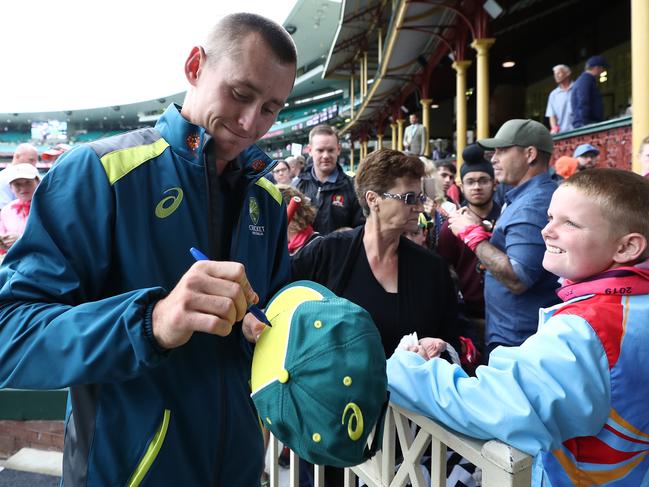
259,314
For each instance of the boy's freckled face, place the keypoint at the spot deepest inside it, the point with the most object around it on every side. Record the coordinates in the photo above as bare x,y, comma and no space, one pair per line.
579,239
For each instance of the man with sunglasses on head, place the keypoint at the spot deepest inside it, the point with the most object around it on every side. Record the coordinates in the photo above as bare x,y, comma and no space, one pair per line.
516,285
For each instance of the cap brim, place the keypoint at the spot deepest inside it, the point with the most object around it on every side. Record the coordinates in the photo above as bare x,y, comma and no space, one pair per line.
579,154
494,143
270,351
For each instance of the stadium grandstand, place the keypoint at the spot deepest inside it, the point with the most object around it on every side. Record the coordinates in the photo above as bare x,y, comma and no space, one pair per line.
364,66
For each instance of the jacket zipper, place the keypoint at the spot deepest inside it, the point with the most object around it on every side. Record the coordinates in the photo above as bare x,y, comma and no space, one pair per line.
151,452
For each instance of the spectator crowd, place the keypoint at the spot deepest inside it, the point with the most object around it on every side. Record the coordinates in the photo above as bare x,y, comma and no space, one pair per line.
465,257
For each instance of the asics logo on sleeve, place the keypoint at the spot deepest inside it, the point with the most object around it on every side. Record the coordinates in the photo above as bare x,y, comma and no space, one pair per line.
169,204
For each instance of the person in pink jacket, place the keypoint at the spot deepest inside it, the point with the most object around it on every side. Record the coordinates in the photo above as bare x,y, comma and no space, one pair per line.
23,180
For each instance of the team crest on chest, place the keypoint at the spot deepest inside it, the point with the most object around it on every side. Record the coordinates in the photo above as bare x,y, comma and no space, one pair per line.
338,200
193,141
255,215
258,165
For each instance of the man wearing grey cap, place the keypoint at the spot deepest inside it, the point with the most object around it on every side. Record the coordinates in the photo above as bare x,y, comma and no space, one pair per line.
516,285
586,100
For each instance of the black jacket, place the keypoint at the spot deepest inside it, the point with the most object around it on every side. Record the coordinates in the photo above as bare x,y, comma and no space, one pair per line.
335,202
427,301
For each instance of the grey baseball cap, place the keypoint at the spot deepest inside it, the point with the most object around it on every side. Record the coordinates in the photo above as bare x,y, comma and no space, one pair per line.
522,133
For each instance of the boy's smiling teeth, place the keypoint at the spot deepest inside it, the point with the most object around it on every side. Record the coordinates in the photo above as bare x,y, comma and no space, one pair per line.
553,250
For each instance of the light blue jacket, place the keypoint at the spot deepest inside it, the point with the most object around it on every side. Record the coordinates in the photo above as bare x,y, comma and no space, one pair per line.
108,236
554,387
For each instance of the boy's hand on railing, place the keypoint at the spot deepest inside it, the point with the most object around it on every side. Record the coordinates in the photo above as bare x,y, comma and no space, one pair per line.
428,348
433,347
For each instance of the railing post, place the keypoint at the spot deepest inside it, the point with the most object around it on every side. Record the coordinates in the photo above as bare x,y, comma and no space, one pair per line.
294,473
501,464
318,475
388,449
506,466
437,463
273,446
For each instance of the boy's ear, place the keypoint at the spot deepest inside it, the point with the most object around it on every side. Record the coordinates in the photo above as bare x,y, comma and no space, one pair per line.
631,248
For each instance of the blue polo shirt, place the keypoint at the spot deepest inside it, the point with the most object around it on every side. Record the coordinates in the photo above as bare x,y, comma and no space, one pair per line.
560,107
513,318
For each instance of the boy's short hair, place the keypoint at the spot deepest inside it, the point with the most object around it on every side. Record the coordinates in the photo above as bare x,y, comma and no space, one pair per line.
447,163
623,197
322,129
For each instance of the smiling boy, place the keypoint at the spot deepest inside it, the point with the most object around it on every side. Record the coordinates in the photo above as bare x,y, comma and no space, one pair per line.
574,394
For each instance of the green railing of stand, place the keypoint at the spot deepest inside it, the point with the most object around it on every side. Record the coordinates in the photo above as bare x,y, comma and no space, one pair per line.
24,405
595,128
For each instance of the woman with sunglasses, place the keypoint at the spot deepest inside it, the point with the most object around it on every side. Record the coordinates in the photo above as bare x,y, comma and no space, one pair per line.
404,287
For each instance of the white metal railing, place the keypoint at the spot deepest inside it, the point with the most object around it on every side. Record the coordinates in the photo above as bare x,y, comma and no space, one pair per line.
501,464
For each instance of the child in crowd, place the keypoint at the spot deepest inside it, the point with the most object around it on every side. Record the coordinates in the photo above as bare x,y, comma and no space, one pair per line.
643,156
23,180
301,215
574,394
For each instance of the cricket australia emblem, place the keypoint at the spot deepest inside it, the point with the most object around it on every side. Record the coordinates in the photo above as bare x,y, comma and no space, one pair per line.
255,214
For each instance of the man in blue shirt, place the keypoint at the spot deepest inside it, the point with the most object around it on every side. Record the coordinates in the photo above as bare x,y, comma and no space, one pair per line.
586,100
516,284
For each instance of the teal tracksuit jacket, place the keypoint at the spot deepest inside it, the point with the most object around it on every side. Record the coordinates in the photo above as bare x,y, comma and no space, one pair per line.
109,234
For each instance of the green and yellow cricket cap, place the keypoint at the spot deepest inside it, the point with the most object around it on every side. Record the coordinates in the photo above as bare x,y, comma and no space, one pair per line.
318,376
522,133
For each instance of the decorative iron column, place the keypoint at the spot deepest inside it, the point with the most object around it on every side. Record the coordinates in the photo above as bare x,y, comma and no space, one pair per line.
400,123
395,143
363,149
352,87
639,75
482,48
460,68
425,120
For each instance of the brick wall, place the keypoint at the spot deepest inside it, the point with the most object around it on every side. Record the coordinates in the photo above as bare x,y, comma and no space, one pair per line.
615,144
43,435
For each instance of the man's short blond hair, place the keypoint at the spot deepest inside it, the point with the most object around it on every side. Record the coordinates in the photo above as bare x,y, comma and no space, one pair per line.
322,130
226,37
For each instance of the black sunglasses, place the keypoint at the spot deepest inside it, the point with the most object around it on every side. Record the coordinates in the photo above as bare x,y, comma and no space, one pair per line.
409,198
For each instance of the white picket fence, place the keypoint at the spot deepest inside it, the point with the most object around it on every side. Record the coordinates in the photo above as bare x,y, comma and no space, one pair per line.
502,465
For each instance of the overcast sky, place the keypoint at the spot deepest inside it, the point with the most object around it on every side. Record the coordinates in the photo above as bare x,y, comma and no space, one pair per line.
73,54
